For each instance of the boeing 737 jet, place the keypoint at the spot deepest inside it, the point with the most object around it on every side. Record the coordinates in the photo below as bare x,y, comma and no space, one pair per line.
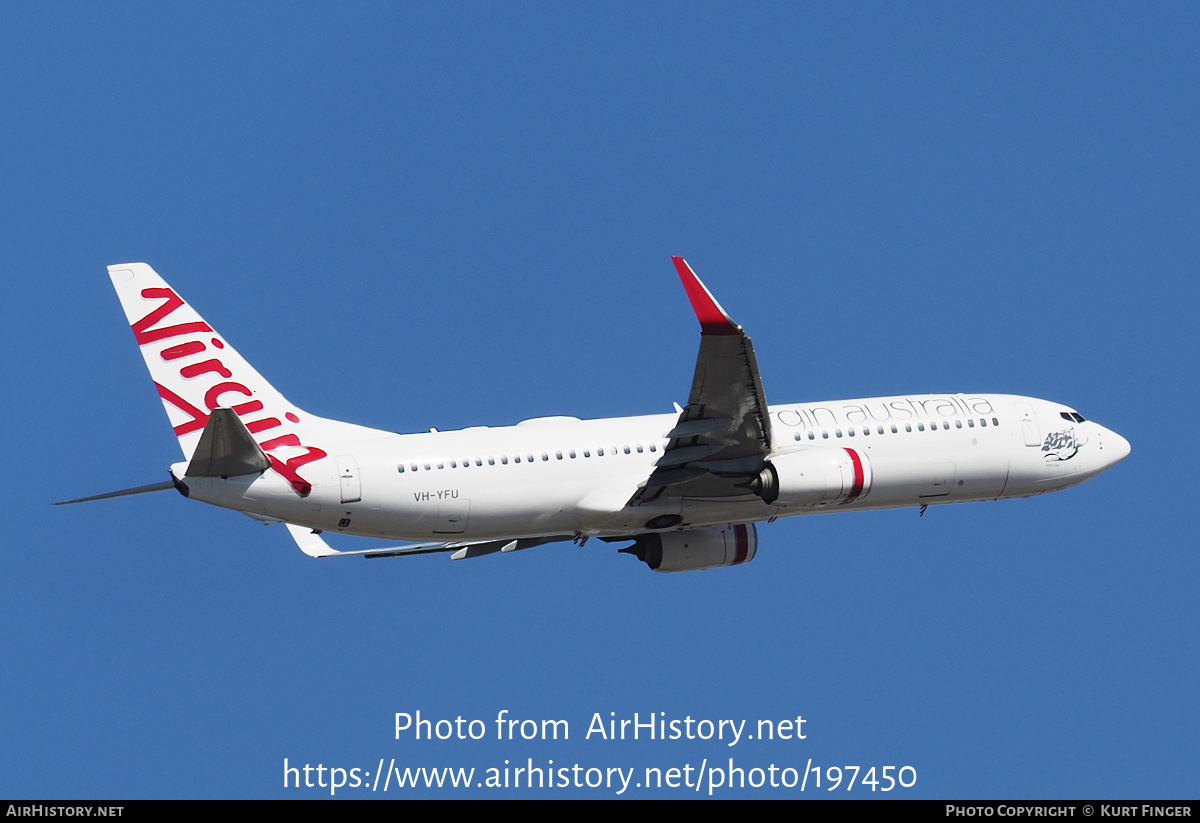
682,490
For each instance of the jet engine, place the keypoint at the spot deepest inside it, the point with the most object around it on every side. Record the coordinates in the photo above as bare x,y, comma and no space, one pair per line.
696,549
814,477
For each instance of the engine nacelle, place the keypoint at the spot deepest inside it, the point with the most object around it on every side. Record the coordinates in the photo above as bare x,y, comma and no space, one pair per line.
814,477
697,549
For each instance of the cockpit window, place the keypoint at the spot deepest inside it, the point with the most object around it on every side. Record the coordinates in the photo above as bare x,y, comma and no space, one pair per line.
1073,416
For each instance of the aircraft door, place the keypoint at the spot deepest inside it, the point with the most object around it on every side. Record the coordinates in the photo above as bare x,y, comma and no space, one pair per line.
347,468
1029,424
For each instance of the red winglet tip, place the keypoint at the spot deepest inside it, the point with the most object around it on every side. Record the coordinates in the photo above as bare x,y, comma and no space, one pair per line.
713,319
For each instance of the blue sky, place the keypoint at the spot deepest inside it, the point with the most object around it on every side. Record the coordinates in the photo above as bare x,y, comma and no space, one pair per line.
442,215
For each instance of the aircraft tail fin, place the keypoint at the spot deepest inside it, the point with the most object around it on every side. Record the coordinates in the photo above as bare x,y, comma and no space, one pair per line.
196,371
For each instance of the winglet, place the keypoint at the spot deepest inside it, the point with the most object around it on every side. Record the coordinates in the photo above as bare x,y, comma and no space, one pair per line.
713,319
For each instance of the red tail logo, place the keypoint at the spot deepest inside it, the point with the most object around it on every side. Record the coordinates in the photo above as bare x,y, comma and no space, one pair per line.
147,330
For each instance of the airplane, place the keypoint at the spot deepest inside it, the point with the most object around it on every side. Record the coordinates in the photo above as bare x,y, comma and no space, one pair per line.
683,490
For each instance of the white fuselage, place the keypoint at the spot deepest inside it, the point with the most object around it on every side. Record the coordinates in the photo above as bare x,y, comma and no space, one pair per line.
686,487
555,476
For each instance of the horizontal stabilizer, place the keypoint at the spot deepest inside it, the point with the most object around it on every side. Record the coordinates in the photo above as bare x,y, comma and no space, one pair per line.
226,449
153,487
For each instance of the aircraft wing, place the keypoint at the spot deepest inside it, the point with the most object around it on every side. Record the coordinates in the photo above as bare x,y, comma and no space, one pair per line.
312,544
723,435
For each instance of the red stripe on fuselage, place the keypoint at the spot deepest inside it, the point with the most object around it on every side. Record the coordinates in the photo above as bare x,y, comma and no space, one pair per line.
859,477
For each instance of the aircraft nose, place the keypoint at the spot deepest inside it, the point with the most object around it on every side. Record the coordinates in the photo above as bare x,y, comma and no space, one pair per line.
1116,447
